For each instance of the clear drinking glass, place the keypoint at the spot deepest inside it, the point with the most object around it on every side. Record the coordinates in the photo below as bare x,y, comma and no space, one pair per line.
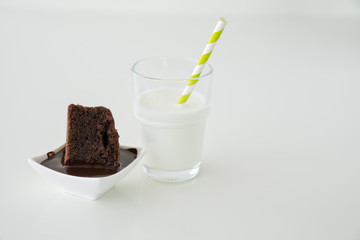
172,133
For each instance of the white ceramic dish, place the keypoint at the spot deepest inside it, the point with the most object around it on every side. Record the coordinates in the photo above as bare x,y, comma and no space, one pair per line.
87,187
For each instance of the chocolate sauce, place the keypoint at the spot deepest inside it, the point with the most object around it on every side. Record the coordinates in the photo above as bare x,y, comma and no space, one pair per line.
54,161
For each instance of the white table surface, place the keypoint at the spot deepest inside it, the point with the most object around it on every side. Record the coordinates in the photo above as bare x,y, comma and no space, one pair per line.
281,157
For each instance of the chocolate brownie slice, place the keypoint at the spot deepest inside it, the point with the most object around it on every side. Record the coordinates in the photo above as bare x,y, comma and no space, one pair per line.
91,137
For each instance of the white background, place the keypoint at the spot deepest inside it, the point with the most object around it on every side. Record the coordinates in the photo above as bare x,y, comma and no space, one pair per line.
225,7
281,155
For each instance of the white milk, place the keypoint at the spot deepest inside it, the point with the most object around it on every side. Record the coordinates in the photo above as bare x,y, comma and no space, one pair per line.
172,134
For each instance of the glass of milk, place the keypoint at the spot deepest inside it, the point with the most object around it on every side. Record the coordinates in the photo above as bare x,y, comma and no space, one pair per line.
172,133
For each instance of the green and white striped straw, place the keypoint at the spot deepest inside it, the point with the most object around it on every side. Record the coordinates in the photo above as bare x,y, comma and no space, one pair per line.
203,59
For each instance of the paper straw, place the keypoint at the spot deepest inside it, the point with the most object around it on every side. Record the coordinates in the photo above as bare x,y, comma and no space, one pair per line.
203,59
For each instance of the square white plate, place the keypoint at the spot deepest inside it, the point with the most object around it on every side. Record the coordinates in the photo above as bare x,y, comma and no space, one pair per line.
87,187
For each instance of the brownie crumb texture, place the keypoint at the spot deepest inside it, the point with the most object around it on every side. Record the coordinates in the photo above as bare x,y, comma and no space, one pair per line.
91,137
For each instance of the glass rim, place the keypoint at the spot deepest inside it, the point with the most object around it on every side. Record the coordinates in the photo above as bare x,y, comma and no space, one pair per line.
133,69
